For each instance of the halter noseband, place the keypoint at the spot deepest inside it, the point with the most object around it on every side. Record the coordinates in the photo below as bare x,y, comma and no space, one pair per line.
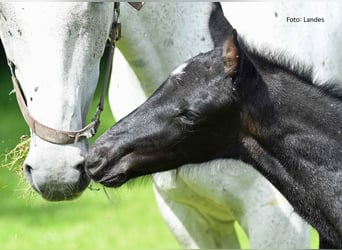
68,137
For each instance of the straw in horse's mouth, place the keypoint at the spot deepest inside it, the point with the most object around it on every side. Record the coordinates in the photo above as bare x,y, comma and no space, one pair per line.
14,159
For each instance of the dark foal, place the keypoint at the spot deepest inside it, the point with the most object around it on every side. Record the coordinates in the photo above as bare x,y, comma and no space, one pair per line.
244,106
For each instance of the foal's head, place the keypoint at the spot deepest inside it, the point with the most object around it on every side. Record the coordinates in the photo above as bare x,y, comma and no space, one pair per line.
205,110
193,117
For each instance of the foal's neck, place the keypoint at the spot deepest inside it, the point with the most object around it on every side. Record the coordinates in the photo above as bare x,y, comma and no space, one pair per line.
292,134
287,115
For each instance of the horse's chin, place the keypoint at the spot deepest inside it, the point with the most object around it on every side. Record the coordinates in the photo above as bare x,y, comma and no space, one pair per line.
58,191
60,196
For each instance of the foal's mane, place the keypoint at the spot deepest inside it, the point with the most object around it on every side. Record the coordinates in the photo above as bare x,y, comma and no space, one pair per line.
288,63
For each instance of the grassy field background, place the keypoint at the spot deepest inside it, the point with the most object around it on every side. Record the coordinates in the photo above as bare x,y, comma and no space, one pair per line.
130,220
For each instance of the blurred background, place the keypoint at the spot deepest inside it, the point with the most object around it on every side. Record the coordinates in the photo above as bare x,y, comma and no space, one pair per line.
124,218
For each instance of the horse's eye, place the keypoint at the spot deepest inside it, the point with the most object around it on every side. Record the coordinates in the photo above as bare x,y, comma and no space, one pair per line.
189,116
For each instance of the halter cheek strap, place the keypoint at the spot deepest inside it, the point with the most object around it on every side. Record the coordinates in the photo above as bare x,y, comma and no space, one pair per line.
67,137
45,132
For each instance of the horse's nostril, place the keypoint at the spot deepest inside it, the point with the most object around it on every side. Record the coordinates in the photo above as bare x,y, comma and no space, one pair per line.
28,169
80,167
28,175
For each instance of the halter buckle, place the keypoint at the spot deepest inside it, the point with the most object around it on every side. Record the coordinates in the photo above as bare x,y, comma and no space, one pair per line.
137,5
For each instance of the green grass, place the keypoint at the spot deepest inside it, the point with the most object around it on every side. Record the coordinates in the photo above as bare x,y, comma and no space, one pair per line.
129,220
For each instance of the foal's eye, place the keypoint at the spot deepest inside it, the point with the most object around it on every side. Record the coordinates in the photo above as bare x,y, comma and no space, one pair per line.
189,116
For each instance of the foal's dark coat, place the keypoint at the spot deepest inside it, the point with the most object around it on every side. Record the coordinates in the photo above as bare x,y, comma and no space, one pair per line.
243,106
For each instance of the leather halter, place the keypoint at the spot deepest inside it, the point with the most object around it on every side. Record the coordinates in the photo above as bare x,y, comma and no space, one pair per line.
68,137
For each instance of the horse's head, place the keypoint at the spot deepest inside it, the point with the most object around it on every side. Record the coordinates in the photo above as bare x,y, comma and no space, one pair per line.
55,49
184,121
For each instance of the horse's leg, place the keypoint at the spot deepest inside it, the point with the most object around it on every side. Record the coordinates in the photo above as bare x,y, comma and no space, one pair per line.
190,224
242,193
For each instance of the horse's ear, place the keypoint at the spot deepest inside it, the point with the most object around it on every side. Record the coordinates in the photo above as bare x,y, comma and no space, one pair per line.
237,64
231,54
219,26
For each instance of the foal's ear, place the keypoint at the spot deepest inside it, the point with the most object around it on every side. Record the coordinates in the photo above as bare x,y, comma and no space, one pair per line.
231,53
219,26
237,64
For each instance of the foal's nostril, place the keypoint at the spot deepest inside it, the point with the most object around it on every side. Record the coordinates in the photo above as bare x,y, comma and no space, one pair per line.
94,169
93,162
